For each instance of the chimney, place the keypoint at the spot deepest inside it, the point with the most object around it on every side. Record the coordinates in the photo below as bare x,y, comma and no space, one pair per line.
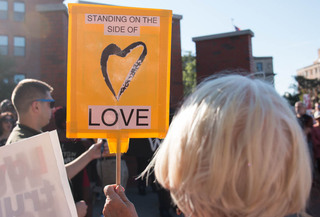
230,51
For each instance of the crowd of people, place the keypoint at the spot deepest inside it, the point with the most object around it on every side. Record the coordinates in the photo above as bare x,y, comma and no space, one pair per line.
234,148
309,121
35,107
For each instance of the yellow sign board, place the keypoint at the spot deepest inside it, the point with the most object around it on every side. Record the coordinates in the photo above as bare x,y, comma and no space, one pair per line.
118,72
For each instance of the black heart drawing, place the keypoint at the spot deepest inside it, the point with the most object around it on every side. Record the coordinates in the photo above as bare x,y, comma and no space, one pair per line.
113,49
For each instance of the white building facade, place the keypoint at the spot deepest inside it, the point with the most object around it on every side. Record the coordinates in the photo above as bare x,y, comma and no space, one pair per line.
264,68
311,71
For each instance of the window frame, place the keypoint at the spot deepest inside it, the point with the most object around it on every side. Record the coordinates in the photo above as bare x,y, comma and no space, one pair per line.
259,67
16,48
4,12
19,16
5,45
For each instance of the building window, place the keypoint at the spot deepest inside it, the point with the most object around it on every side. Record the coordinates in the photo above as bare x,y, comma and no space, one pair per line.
19,11
19,44
259,67
3,9
3,45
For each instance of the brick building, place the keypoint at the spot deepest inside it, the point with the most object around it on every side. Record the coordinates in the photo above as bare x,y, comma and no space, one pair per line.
231,51
176,85
35,34
226,51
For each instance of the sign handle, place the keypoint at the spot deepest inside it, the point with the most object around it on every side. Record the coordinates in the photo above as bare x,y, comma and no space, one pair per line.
117,145
118,162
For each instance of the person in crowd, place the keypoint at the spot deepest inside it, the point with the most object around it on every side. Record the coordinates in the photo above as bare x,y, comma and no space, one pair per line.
316,141
143,149
316,111
300,109
306,122
6,120
7,106
233,149
71,149
34,104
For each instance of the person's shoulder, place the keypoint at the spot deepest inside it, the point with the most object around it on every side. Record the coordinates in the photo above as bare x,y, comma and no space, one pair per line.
15,135
316,129
20,132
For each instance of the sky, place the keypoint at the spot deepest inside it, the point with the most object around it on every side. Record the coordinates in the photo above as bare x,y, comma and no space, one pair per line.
287,30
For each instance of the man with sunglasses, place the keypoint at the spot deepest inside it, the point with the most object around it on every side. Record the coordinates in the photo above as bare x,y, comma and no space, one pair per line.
33,102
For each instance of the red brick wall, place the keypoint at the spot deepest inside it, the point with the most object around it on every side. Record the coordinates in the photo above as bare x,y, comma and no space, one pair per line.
41,31
176,88
225,53
29,64
54,53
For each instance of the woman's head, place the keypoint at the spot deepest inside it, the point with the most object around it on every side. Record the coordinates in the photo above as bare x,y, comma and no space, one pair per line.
6,122
235,149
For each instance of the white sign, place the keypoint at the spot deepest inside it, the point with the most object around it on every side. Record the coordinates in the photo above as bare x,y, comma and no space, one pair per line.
33,179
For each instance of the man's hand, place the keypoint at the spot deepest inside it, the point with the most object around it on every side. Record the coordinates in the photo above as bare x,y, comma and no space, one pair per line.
81,208
95,150
117,204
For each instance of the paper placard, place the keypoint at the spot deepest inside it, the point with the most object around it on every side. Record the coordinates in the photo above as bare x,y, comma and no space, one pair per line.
34,180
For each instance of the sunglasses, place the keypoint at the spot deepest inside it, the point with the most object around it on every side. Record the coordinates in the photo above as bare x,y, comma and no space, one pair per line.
47,100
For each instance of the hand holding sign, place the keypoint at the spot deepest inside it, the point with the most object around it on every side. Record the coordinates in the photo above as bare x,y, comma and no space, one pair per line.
95,150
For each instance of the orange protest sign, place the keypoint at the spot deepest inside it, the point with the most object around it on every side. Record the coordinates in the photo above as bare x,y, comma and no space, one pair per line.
118,72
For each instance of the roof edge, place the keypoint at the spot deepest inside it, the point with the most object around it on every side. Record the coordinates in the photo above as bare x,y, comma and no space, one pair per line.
223,35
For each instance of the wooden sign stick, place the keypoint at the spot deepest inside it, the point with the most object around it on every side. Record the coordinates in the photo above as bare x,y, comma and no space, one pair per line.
118,162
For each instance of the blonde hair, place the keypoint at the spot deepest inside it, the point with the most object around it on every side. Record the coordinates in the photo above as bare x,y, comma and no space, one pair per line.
235,148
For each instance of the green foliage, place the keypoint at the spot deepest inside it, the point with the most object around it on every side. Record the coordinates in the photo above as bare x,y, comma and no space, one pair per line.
291,98
189,75
308,86
6,77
